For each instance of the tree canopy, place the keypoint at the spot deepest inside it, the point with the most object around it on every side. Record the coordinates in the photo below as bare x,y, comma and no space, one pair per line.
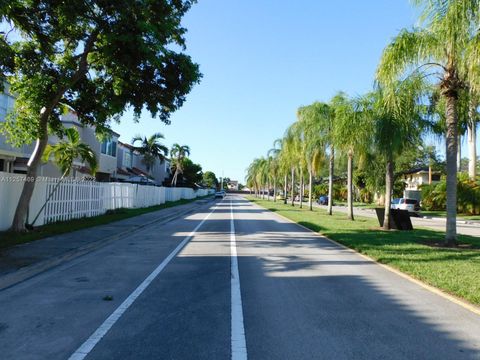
96,57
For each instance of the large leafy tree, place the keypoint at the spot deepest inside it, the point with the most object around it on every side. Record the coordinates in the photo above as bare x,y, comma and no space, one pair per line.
210,179
191,174
444,48
99,57
179,154
151,148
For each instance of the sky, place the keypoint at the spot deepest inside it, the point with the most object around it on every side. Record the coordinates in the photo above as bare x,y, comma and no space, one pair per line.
263,59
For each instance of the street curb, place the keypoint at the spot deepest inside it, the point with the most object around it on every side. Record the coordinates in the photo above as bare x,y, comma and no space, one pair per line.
452,298
27,272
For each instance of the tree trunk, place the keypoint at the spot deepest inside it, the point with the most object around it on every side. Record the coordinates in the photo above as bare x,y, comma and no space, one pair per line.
20,218
293,186
330,180
472,140
451,154
388,194
310,189
300,195
430,172
275,189
459,153
350,185
285,189
268,191
21,212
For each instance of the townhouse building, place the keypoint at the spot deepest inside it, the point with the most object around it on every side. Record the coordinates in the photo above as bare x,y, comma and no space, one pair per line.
117,161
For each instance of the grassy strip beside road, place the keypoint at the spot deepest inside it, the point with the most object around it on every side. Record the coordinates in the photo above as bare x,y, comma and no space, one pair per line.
456,271
441,213
8,239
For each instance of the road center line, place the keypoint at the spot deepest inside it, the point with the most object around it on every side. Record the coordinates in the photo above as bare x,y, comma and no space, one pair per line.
238,345
93,340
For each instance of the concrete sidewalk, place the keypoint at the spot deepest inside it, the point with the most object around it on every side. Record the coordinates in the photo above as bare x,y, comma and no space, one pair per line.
24,261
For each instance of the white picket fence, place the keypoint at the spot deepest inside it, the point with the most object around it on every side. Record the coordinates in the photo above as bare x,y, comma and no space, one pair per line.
75,199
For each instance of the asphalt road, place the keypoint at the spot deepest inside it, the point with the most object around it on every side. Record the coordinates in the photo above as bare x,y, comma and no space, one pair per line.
207,287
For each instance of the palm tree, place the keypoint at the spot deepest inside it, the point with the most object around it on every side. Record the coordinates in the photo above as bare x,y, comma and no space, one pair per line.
353,136
284,166
395,124
274,154
178,153
291,154
438,50
65,152
325,117
310,120
151,149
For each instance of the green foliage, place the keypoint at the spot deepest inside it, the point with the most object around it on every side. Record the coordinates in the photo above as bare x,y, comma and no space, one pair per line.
75,53
434,196
209,179
191,174
151,148
319,190
66,151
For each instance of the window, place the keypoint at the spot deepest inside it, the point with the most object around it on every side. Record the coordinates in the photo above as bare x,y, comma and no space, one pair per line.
6,105
127,159
109,147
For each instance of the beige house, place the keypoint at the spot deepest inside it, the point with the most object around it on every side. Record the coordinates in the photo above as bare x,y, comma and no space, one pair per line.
415,178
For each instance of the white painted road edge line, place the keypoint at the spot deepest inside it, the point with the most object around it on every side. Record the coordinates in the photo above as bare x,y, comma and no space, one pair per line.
93,340
238,345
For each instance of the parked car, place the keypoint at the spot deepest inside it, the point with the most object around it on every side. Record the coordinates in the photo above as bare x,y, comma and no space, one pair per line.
219,194
394,204
323,200
412,205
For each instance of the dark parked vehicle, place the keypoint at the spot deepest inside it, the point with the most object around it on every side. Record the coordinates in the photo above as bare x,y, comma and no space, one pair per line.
323,200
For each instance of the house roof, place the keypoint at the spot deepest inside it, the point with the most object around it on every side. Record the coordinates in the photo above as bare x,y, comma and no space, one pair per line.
422,170
128,146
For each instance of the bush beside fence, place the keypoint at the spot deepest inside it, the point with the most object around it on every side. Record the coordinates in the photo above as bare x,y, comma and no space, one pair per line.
76,199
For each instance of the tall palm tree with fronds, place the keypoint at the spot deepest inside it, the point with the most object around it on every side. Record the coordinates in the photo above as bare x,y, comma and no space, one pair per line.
395,125
273,155
352,137
291,154
178,153
437,50
151,149
311,119
283,165
64,154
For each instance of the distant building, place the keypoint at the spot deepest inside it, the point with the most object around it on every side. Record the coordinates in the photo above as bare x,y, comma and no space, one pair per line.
130,166
417,177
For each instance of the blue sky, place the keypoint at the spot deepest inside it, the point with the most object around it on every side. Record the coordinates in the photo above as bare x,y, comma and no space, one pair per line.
260,61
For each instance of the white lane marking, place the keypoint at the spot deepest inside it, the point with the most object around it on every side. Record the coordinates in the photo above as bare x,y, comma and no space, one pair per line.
93,340
239,346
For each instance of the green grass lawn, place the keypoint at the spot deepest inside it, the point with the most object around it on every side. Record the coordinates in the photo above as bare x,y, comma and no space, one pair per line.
456,271
8,239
